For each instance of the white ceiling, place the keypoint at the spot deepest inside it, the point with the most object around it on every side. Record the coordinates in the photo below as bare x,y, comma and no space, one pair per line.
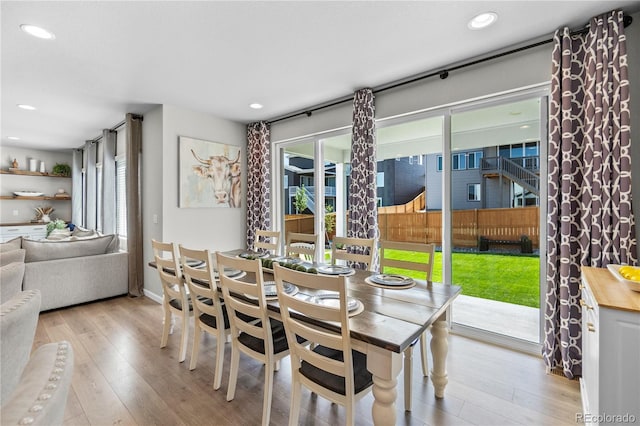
110,58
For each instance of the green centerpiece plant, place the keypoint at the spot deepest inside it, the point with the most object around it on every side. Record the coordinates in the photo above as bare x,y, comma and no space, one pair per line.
55,224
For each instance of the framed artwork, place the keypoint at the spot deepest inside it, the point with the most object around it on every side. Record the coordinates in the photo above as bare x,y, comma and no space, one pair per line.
210,174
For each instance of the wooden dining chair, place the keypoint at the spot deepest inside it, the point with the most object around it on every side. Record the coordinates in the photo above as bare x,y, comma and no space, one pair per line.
426,267
360,251
329,367
302,245
175,299
267,240
263,339
209,312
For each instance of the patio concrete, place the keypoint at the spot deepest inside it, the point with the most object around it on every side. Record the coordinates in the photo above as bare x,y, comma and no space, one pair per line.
521,322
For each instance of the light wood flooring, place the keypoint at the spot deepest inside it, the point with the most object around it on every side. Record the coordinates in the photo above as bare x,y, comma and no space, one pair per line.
122,377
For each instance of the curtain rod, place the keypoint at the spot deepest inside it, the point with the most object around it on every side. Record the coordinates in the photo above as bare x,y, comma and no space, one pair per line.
443,74
114,128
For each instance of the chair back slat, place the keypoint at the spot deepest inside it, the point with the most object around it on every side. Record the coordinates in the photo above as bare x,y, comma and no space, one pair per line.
267,240
425,266
305,245
357,250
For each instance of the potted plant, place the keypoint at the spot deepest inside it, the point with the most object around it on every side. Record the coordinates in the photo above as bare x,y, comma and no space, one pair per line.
61,169
57,226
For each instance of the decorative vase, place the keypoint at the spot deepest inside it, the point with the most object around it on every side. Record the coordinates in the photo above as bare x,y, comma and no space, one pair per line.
46,218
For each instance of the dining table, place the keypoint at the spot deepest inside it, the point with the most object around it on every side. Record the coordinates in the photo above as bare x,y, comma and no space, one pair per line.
390,320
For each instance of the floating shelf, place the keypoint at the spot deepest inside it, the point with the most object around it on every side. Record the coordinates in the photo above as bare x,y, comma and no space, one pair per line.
14,197
28,173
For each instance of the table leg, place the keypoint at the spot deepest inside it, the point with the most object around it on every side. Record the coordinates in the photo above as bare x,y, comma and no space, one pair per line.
439,349
385,367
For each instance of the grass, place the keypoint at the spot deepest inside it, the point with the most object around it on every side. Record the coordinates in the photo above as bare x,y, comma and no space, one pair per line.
503,277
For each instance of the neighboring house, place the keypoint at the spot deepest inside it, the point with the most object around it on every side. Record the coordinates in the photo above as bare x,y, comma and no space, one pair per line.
490,177
299,172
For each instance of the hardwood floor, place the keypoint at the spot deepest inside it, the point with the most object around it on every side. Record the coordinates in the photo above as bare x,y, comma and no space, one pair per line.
122,377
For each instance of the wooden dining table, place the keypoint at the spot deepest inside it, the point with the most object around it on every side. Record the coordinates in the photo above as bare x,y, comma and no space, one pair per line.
391,321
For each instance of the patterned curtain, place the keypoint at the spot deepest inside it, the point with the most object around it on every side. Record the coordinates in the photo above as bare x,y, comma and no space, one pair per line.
590,220
258,179
363,211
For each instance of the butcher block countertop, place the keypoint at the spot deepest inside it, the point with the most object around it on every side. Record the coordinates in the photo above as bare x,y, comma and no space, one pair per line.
609,291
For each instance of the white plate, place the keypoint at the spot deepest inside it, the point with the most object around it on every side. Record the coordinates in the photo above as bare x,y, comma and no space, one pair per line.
392,279
292,260
633,285
334,270
333,300
28,194
270,288
195,263
229,272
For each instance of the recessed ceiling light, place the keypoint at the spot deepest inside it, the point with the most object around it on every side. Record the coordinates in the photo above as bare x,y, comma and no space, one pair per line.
27,107
525,126
255,106
37,32
13,138
482,20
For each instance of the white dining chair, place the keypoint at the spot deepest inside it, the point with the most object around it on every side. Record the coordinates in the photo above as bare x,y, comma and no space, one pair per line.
425,267
357,250
302,245
267,240
209,312
329,367
175,300
253,333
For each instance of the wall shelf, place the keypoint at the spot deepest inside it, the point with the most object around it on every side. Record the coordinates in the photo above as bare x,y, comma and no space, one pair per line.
28,173
15,197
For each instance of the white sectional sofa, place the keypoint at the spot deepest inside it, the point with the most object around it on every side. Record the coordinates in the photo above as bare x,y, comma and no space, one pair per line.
71,272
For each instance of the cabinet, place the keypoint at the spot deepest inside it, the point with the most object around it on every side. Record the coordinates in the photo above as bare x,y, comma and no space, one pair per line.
610,383
34,232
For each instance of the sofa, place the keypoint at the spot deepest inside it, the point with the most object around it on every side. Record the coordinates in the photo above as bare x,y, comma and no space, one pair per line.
33,385
72,271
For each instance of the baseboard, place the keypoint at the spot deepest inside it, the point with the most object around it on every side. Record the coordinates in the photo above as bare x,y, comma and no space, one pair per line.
151,295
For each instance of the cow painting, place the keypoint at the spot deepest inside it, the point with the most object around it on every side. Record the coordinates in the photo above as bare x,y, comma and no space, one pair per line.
214,179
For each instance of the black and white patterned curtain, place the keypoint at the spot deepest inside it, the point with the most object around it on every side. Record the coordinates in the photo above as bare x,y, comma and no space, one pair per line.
258,179
363,210
590,220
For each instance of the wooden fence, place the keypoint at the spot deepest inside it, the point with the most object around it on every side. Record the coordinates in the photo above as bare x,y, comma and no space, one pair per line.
426,227
468,226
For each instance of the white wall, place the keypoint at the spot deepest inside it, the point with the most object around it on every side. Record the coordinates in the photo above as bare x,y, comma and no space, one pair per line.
47,185
210,228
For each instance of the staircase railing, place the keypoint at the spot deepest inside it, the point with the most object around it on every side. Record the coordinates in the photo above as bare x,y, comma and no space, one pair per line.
511,169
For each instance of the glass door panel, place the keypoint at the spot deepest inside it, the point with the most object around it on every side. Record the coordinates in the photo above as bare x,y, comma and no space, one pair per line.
299,190
496,219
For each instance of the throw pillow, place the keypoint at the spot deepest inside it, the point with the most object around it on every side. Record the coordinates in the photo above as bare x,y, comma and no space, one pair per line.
11,276
82,232
7,257
38,251
13,244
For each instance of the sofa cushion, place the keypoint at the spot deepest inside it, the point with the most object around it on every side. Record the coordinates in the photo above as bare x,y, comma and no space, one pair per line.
11,277
14,244
7,257
38,251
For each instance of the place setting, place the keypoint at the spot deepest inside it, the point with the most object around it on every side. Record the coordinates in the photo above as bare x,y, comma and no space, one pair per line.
271,293
391,281
335,270
332,300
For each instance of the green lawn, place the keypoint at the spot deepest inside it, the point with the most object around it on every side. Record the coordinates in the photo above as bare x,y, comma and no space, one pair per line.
502,277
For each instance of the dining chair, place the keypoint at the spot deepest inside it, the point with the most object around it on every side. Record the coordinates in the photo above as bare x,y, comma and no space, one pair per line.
426,267
175,299
267,240
302,245
357,250
263,340
209,312
329,367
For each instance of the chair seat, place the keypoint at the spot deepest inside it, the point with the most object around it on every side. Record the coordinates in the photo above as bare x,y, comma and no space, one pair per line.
212,321
178,305
279,339
362,378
